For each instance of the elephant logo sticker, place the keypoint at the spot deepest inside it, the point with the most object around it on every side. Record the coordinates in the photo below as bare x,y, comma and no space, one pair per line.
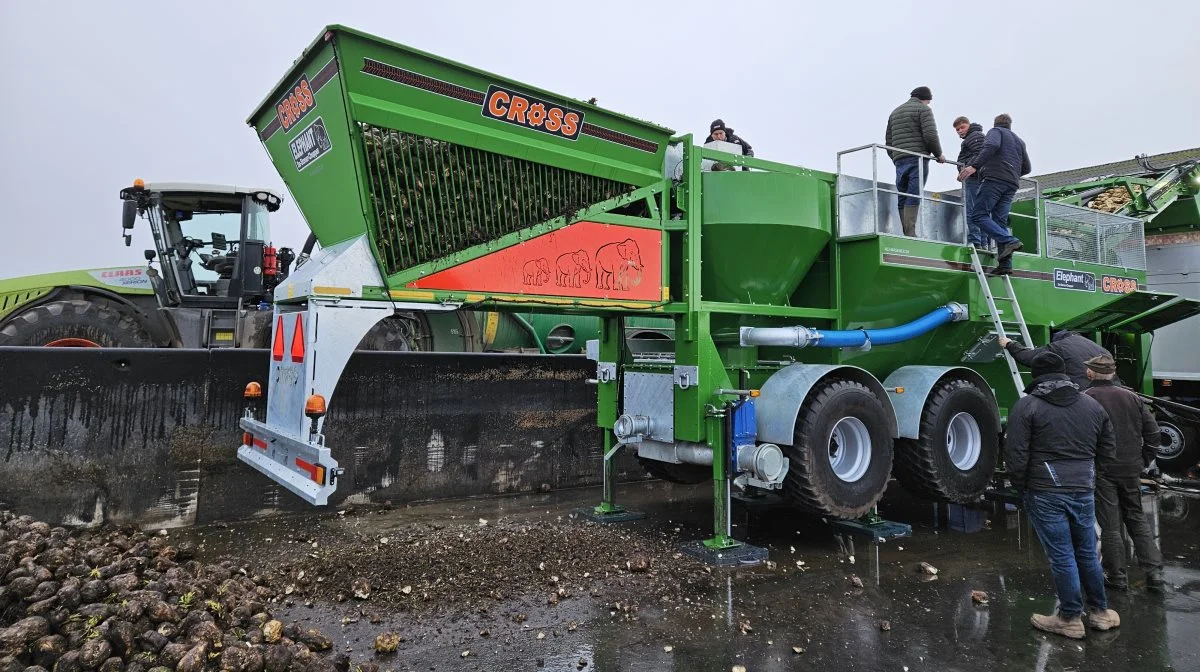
574,269
536,272
619,266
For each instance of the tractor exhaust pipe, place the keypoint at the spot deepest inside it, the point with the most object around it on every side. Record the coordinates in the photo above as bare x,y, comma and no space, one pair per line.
803,337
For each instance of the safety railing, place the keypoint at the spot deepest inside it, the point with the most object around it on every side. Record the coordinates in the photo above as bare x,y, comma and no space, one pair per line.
1093,236
870,206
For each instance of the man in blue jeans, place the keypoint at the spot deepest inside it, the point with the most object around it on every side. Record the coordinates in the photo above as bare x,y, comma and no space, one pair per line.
972,142
1055,435
911,127
1000,164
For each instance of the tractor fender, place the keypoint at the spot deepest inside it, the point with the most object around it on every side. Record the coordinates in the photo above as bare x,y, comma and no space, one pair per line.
786,390
917,382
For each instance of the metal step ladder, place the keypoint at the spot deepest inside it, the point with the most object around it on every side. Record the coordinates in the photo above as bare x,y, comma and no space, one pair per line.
998,323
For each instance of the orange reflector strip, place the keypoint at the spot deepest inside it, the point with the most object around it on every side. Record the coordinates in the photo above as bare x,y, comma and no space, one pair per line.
298,341
246,438
259,443
277,347
311,468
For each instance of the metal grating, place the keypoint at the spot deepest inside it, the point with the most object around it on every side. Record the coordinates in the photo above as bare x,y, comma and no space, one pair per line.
434,198
1083,234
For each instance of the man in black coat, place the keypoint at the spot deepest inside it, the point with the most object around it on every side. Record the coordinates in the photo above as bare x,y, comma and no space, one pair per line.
1073,347
972,144
1054,436
717,130
1000,164
1118,486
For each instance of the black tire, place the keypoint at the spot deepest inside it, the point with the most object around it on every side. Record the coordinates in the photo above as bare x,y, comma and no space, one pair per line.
75,322
926,467
811,481
1179,447
403,332
687,474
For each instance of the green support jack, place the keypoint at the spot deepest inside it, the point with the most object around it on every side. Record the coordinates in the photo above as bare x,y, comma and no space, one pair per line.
608,511
722,549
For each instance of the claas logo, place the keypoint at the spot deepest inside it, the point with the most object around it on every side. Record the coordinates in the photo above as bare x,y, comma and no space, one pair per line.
295,104
522,110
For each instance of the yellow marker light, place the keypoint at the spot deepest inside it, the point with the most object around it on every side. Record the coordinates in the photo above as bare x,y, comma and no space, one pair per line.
253,390
139,183
755,393
315,406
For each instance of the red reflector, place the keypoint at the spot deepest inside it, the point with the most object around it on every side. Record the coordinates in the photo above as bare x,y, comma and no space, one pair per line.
310,468
259,443
247,439
298,341
277,347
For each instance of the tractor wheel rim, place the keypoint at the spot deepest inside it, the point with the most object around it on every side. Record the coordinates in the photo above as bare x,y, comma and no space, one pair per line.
964,441
71,343
849,449
1170,441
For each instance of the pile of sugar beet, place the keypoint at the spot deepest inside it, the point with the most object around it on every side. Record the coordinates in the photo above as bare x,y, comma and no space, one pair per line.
120,599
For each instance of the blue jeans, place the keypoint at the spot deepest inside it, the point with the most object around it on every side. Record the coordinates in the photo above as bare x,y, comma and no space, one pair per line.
971,188
1065,523
908,180
989,213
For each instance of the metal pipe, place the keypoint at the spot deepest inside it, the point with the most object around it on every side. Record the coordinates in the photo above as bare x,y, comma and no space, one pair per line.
802,337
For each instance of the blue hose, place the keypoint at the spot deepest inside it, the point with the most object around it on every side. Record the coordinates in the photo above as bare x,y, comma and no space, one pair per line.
888,336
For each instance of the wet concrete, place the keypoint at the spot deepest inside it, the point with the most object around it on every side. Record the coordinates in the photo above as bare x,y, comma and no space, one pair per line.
720,618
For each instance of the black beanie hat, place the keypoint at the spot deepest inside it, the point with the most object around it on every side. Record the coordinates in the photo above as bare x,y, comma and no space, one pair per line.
1045,363
717,124
922,93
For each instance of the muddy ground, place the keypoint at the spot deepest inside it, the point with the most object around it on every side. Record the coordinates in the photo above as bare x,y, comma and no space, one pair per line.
525,584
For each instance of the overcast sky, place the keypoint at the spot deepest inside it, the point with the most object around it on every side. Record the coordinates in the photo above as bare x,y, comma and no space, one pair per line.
97,93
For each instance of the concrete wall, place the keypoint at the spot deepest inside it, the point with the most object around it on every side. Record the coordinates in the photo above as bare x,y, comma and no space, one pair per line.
149,436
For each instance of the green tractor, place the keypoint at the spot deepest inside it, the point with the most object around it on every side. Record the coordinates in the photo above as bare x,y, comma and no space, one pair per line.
208,283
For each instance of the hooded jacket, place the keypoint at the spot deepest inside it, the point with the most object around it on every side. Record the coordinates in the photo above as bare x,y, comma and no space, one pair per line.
1136,431
1055,436
1074,348
971,145
911,127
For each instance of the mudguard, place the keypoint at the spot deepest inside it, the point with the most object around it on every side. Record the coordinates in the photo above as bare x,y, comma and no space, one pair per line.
917,382
785,391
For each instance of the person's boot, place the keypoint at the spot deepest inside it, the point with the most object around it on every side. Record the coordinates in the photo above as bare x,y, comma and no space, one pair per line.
1057,625
1155,580
1006,250
1103,619
908,218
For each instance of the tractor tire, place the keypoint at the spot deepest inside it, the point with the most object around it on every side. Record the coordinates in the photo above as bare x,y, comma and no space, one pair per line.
959,445
75,323
841,453
1179,448
403,332
687,474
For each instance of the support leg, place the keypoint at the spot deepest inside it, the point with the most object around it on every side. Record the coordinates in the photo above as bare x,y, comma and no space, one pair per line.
608,511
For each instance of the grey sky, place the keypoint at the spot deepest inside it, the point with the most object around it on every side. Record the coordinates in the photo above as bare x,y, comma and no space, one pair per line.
98,93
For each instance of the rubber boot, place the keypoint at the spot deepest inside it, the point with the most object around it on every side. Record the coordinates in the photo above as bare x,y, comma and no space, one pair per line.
1103,619
1058,625
908,219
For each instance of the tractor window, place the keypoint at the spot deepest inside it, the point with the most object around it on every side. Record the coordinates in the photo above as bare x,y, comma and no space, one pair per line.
257,221
209,264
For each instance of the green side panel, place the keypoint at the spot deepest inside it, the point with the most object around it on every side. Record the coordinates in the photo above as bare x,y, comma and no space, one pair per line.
761,234
16,292
1023,222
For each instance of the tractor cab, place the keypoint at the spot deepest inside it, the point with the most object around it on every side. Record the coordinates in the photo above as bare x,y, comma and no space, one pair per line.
212,242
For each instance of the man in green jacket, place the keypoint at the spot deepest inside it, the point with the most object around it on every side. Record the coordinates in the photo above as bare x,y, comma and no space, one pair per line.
911,127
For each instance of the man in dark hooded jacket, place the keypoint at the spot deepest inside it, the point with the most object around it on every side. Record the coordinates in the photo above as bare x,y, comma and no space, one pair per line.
1054,437
717,130
1073,347
1000,164
972,143
1118,486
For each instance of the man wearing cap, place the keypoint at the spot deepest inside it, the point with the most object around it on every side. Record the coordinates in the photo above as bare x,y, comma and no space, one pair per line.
1055,435
718,131
1118,487
911,127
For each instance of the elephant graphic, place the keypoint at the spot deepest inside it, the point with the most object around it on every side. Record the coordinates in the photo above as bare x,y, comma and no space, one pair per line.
537,272
574,269
618,265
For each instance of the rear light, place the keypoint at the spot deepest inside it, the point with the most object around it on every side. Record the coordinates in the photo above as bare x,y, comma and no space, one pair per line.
247,439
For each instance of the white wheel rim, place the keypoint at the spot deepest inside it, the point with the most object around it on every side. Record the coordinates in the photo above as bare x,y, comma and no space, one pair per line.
964,441
849,448
1170,441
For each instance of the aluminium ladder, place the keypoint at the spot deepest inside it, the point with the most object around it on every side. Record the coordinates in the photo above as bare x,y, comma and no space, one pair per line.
998,323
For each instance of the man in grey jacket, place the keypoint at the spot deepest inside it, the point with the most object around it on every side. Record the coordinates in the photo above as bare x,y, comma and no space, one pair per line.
911,127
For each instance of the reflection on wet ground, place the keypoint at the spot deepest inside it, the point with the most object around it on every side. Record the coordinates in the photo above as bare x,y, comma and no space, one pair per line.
785,615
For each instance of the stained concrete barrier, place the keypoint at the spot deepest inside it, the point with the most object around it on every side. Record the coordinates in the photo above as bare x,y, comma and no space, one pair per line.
150,436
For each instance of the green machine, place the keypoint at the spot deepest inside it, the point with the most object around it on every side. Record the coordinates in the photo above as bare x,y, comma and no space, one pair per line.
814,352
